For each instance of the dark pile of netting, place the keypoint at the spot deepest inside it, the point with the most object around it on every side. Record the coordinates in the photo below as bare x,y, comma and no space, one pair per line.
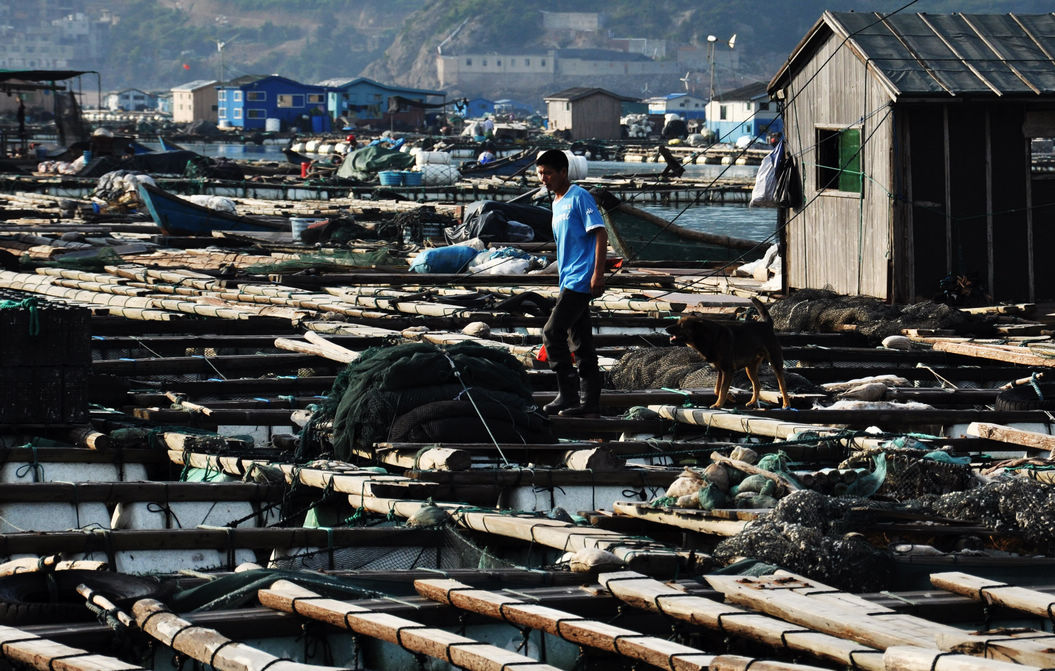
809,533
909,475
684,368
816,310
372,394
414,225
1015,506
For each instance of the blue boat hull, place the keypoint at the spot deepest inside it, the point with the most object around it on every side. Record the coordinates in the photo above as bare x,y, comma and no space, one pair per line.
176,216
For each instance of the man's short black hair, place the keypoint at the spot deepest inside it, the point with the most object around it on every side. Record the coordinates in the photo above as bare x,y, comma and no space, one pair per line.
553,158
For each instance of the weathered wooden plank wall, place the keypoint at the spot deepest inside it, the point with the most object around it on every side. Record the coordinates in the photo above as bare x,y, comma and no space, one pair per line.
840,240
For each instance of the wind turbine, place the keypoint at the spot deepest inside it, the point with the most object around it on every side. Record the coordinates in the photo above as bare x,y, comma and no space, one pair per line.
685,80
220,44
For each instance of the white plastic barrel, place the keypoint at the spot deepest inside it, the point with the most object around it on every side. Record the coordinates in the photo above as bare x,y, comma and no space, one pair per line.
432,158
311,146
272,125
433,174
298,225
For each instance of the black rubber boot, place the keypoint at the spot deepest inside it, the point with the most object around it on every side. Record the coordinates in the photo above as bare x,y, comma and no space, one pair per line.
590,397
567,393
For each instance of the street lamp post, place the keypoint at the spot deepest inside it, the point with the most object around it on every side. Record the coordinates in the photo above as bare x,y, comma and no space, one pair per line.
711,40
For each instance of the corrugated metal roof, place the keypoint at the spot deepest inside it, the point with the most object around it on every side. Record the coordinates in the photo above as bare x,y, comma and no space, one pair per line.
946,54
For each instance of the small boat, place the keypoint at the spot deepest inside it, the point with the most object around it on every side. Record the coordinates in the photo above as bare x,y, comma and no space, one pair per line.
169,145
508,166
637,235
177,216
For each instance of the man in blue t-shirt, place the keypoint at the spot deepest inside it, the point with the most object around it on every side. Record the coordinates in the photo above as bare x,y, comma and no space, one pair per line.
582,245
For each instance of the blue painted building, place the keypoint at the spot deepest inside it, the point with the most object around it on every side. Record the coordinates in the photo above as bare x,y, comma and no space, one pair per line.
248,102
744,111
363,101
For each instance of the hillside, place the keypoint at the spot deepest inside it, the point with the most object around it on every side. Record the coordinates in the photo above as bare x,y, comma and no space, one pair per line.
155,44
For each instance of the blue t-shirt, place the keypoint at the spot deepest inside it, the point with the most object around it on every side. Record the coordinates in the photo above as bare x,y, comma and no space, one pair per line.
574,216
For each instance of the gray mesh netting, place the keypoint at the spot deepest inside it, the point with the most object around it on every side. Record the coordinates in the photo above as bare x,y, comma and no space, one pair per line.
684,368
805,533
909,475
1018,506
824,311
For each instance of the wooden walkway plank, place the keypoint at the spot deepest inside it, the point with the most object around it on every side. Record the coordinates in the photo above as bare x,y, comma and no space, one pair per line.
1032,441
1008,354
694,520
657,652
753,425
208,646
787,596
649,594
995,592
908,658
457,650
45,655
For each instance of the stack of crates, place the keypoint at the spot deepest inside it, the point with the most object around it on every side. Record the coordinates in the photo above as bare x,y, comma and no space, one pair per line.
45,358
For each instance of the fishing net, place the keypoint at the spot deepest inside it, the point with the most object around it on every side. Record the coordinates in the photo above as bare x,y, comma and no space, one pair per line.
415,225
454,551
336,261
1014,506
808,533
911,473
684,368
825,311
386,382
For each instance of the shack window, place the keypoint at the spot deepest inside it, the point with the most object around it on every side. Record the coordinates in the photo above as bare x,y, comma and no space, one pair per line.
315,97
839,159
238,113
468,61
291,100
255,114
527,62
255,96
723,112
543,63
237,96
485,62
221,95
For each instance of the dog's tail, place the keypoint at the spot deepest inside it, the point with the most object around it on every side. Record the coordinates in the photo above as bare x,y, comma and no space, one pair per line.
761,307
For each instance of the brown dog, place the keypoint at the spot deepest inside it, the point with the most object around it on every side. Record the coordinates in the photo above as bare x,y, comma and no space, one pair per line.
729,345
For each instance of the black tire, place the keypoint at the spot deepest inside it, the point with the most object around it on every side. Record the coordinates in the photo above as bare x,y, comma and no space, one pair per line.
1024,397
42,598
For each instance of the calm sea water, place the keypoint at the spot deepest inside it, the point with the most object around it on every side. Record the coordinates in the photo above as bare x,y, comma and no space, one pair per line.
733,220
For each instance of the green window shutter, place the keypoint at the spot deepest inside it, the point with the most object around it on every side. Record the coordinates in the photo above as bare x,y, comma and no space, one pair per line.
850,160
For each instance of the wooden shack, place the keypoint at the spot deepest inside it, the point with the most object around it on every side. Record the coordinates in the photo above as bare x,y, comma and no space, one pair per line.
919,141
586,113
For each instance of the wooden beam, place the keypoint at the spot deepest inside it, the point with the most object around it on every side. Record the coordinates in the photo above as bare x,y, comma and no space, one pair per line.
693,520
42,654
1031,441
456,650
208,646
649,594
658,652
910,658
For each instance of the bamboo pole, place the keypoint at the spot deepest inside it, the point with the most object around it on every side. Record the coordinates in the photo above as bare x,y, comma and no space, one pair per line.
649,594
49,563
337,352
458,651
42,654
657,652
208,646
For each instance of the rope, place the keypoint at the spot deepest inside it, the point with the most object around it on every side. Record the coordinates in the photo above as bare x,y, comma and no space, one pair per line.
458,376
